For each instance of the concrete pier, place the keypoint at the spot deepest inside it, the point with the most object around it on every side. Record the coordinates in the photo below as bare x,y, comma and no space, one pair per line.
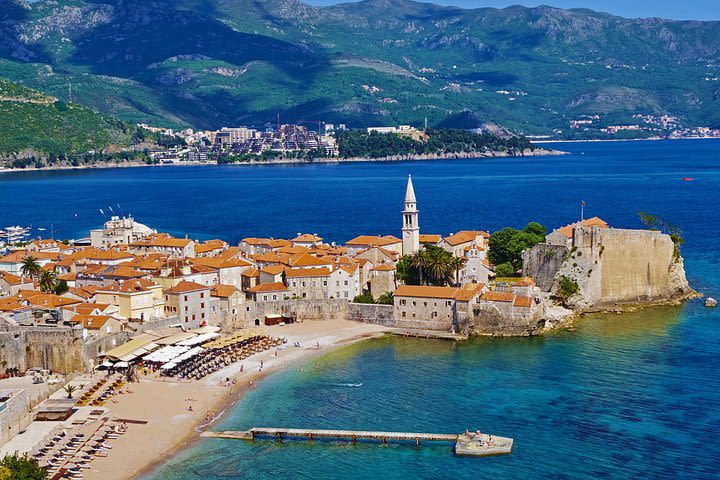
465,444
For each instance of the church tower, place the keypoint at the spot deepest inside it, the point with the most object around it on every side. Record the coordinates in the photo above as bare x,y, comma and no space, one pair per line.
411,228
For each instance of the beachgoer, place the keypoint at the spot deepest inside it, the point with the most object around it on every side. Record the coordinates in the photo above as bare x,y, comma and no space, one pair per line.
242,367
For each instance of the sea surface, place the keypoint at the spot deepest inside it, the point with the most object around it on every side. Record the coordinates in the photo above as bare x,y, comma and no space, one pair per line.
622,397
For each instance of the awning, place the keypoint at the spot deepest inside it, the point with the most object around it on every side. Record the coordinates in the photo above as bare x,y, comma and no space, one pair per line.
122,365
202,338
168,366
106,364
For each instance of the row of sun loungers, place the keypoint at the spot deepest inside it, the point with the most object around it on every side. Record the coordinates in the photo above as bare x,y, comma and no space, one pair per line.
66,455
217,357
89,397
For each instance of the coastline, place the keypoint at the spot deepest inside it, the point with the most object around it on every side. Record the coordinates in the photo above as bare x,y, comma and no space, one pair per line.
541,152
171,427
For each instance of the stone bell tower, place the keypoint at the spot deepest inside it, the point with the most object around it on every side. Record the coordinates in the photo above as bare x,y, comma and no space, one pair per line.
411,228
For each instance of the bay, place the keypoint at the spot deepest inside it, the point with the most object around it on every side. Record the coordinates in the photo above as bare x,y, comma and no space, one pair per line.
625,396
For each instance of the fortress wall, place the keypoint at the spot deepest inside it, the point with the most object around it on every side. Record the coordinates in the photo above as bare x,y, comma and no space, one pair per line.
636,266
369,313
12,351
542,262
305,309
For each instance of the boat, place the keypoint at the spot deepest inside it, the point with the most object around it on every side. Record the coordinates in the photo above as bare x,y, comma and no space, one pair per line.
688,179
15,233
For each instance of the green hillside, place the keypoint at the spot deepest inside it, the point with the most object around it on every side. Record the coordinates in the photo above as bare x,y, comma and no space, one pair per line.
30,120
213,63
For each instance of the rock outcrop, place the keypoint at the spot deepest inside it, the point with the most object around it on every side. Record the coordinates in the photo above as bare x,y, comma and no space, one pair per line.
606,267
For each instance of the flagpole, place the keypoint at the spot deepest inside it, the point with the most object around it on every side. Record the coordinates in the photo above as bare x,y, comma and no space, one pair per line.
582,211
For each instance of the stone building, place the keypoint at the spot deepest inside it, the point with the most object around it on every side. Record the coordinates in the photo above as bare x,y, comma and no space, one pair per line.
190,301
225,304
118,231
136,299
382,280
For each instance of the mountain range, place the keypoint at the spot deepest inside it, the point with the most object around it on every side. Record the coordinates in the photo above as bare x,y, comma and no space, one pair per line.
214,63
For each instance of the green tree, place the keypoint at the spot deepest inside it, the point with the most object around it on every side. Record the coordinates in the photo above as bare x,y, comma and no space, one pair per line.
406,272
61,287
505,270
47,279
69,389
30,267
536,229
364,298
386,298
22,467
498,245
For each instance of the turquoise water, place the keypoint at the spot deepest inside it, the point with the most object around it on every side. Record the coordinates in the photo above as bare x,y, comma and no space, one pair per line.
630,396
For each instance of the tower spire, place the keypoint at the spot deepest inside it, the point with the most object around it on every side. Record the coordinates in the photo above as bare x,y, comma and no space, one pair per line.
410,191
411,227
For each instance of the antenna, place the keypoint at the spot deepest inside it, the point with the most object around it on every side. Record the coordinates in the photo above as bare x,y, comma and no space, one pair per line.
278,118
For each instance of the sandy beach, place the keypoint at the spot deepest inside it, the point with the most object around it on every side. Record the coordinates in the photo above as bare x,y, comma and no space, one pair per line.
164,405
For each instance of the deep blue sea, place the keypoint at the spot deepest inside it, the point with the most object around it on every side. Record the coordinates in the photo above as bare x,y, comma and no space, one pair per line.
622,397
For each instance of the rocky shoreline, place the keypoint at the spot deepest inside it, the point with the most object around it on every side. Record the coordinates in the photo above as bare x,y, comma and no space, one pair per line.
294,161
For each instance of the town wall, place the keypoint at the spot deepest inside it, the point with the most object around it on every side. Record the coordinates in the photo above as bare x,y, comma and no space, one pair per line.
502,318
371,313
611,266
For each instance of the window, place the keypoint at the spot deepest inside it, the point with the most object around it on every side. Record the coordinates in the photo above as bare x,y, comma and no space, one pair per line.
202,315
186,308
193,317
424,304
346,294
274,297
403,314
402,302
414,303
346,282
324,283
186,298
304,295
202,294
337,283
234,311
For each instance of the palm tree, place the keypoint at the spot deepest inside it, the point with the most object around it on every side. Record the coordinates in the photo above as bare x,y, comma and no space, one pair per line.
30,267
70,389
457,264
47,280
419,261
438,264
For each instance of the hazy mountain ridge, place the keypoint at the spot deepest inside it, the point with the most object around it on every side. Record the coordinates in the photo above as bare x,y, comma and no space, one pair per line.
170,60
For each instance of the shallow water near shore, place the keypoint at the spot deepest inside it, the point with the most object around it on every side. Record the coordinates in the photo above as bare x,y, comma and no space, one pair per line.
624,396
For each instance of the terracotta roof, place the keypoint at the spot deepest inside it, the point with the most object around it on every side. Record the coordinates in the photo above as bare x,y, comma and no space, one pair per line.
14,279
307,260
430,238
251,273
307,237
350,269
129,286
222,290
86,308
469,291
209,246
121,271
268,287
590,222
425,291
273,269
91,322
498,297
68,277
294,250
184,286
9,304
48,300
524,282
521,301
373,241
267,242
79,292
385,267
307,272
464,236
162,240
108,255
